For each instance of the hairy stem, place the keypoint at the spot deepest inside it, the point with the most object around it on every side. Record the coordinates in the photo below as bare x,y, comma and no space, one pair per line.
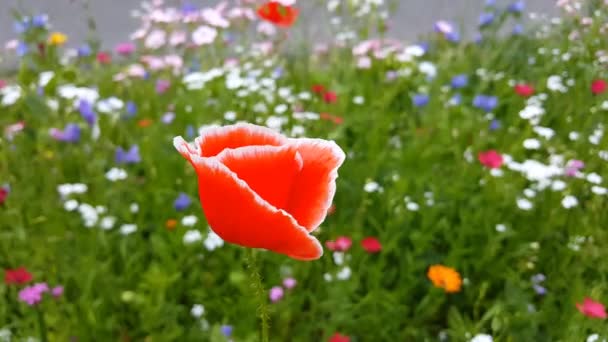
258,288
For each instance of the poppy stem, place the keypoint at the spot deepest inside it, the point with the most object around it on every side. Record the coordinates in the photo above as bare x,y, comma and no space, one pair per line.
260,293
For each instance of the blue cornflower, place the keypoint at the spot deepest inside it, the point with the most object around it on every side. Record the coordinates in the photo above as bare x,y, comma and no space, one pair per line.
517,6
182,202
460,81
226,330
485,102
128,157
131,108
494,125
87,112
486,19
420,100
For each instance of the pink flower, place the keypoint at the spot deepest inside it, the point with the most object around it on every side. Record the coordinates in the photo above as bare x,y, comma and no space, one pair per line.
57,291
573,167
162,86
213,17
491,159
591,308
177,38
364,62
156,39
125,49
276,294
598,86
32,295
2,83
289,283
204,35
342,244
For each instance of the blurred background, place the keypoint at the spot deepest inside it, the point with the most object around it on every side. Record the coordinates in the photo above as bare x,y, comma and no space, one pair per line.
114,22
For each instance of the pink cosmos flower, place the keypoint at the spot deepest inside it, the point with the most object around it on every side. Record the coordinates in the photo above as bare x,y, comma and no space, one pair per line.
214,17
125,49
342,244
573,167
177,38
491,159
591,308
156,39
32,295
57,291
276,294
289,283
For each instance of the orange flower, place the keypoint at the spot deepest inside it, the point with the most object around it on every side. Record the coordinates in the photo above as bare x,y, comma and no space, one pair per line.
144,122
171,224
260,189
445,277
274,12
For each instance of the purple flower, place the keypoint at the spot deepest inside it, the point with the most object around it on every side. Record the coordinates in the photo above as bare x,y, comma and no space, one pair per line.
518,29
573,167
128,157
226,330
32,295
420,100
21,26
460,81
71,133
22,49
490,3
84,51
131,109
88,113
190,131
189,7
162,86
276,294
182,202
486,19
40,20
494,125
485,102
443,27
540,290
57,291
453,37
538,278
168,117
517,6
289,283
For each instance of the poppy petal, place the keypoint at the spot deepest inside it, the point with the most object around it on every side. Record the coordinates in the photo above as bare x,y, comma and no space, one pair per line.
216,139
254,223
270,171
315,186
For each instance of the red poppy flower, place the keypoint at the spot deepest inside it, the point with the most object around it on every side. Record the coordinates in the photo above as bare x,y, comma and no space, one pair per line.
3,195
104,58
342,244
318,89
598,87
337,337
524,90
330,97
371,245
491,159
260,189
274,12
18,276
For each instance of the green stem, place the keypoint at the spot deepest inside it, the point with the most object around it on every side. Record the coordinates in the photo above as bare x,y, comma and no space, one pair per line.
41,325
260,293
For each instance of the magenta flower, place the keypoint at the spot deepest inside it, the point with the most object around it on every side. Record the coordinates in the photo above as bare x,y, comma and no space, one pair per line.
32,295
162,86
276,294
289,283
125,49
591,308
573,167
57,291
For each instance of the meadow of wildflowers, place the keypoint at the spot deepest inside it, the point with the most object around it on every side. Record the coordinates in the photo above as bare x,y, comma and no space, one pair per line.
471,204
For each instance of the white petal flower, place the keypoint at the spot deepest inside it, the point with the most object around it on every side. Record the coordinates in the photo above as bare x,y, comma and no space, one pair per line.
192,236
115,174
524,204
482,338
197,310
189,220
598,190
594,178
344,273
107,222
70,205
371,186
569,202
531,144
127,229
213,241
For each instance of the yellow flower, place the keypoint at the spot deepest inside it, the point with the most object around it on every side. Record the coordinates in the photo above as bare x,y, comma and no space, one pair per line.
57,38
445,277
